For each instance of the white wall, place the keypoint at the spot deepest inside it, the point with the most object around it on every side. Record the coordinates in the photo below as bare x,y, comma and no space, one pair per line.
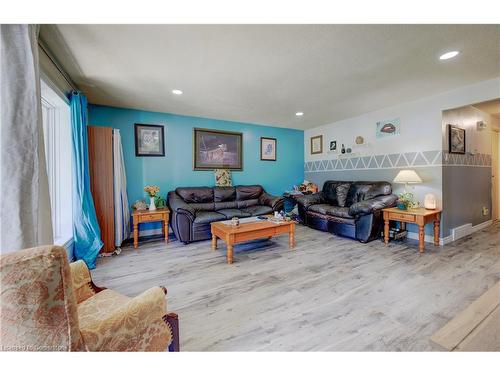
421,131
476,141
420,123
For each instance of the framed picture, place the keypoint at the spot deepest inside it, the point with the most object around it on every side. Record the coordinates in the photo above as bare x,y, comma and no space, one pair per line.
388,128
268,148
456,139
316,144
149,140
333,145
217,149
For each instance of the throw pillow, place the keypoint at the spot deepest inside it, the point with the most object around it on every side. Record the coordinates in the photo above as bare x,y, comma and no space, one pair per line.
342,190
222,177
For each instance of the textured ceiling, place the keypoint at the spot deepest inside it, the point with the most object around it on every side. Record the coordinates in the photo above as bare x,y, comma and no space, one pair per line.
265,73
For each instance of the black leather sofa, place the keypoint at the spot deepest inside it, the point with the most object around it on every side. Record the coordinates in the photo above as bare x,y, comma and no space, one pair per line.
192,209
348,208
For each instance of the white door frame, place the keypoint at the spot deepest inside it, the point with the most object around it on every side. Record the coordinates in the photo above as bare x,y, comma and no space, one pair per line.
495,174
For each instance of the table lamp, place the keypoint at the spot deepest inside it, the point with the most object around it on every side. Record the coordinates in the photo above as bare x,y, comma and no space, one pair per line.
407,176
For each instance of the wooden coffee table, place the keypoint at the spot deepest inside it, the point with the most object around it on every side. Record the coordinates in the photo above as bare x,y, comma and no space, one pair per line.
250,231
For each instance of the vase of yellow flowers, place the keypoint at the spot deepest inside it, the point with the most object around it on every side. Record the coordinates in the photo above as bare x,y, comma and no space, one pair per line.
152,191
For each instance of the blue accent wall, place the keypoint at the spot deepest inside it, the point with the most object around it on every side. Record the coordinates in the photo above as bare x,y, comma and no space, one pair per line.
176,167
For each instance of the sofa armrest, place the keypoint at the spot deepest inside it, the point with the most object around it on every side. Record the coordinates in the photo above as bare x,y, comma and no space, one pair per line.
275,202
132,325
177,204
308,200
370,205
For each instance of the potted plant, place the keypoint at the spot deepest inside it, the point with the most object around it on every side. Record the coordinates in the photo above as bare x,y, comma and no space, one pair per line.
405,201
152,191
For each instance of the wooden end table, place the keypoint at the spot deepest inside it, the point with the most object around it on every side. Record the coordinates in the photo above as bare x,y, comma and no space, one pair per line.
419,216
147,216
250,231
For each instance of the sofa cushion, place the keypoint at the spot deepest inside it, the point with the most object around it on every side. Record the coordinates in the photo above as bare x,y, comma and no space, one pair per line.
224,194
330,191
248,203
248,192
196,194
364,190
202,206
208,217
224,205
342,192
327,209
258,210
233,212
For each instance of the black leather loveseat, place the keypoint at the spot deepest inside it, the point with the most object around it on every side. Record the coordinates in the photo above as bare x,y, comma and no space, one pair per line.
194,208
347,208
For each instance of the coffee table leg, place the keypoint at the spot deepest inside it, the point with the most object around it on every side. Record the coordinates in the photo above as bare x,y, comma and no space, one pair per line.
214,242
229,254
291,238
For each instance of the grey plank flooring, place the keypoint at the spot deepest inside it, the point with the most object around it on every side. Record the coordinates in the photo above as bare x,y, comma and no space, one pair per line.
328,294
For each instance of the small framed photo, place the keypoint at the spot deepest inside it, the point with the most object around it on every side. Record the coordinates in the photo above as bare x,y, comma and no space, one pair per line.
149,140
316,144
268,148
333,145
456,139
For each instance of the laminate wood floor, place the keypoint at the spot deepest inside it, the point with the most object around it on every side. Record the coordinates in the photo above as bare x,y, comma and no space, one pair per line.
328,294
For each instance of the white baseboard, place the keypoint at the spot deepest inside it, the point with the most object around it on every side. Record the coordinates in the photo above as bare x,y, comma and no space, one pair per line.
428,238
451,238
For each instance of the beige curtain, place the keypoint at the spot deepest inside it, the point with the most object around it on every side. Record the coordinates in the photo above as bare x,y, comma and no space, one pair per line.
25,216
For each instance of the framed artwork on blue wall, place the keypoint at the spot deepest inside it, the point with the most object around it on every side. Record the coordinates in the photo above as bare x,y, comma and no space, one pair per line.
268,148
217,149
149,140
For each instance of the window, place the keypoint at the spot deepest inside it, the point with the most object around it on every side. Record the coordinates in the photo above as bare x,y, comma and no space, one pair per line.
57,139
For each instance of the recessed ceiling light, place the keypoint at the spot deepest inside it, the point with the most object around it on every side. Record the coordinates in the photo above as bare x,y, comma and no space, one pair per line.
299,114
448,55
177,92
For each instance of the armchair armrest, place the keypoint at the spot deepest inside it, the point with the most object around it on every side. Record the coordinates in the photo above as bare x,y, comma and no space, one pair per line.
136,325
371,205
83,286
177,204
272,201
80,274
308,200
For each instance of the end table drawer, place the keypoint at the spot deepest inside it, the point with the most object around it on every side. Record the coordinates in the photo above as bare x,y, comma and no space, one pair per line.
150,217
403,217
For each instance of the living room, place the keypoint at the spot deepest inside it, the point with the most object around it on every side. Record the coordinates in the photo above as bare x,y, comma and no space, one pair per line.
250,187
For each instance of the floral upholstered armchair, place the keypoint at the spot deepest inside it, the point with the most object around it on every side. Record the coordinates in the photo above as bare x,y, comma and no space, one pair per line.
48,304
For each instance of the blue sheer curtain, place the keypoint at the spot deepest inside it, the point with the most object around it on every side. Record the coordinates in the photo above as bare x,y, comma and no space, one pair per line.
86,232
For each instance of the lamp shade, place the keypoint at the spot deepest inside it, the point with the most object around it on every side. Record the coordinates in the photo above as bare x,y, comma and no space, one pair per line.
407,176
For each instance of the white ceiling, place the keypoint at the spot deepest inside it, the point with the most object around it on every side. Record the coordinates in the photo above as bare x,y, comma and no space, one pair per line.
265,73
